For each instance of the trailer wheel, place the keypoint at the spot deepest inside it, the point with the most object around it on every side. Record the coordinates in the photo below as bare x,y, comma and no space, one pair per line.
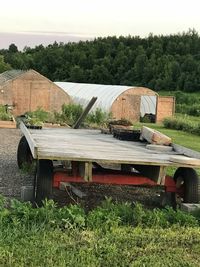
187,180
43,181
24,155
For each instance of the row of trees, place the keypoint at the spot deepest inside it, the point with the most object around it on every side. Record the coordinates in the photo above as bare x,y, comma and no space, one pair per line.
158,62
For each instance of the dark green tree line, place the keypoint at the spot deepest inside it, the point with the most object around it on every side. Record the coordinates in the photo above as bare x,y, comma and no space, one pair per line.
159,62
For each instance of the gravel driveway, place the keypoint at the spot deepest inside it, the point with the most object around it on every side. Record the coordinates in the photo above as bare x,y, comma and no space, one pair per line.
11,179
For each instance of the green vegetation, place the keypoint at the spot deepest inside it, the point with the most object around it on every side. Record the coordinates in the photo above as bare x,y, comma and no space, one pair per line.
191,109
28,168
183,123
110,235
4,114
68,115
38,114
158,62
38,117
98,117
186,103
3,65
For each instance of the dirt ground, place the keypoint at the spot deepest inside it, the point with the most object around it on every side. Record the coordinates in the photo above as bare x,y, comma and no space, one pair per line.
12,179
96,193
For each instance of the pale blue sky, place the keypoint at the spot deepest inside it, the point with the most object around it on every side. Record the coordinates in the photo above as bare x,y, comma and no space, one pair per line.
46,19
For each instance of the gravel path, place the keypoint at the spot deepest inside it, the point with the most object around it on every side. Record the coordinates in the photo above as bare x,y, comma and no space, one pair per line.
11,179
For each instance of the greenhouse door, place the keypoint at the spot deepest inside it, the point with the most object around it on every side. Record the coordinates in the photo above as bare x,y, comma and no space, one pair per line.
148,107
130,107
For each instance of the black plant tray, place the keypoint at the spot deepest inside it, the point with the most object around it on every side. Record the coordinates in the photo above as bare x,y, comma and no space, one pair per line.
35,127
128,135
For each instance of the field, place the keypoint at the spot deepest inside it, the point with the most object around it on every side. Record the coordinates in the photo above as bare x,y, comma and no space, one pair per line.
110,235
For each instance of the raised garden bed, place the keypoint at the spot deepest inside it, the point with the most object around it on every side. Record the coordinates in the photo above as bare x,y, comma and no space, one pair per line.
8,124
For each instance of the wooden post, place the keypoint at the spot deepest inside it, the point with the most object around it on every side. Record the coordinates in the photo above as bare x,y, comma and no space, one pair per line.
85,170
85,112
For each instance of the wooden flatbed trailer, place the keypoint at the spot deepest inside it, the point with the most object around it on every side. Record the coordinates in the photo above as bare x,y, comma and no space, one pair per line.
88,152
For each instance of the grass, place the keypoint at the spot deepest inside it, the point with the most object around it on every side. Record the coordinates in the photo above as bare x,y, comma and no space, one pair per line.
121,246
113,234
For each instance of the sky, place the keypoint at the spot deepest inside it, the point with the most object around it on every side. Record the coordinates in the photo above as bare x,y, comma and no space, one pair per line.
30,23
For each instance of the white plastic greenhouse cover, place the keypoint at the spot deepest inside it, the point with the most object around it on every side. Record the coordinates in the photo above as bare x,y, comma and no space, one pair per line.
82,93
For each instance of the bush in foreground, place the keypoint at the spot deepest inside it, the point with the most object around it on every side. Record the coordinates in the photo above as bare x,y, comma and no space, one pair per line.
110,235
107,215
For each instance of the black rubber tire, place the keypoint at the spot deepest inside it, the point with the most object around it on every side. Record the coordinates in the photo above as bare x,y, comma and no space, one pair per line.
24,155
191,184
43,181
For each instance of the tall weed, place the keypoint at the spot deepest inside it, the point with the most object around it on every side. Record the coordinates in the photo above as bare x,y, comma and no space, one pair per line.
98,117
71,113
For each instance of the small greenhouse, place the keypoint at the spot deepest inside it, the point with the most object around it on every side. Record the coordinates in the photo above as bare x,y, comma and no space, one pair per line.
122,101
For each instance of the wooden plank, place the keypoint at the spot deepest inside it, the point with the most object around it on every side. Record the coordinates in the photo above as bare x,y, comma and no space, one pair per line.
85,170
154,137
85,112
91,146
76,191
30,140
8,124
59,156
186,151
162,174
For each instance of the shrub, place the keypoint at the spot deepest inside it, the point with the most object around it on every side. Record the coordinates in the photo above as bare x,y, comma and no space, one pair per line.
5,117
111,214
98,116
39,114
187,103
70,113
192,109
4,114
187,99
36,117
183,124
107,216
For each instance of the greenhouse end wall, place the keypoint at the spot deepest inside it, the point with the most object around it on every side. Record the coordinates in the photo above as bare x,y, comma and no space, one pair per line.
165,107
30,91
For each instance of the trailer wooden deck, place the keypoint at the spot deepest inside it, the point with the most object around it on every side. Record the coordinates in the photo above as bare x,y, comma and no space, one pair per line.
91,146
